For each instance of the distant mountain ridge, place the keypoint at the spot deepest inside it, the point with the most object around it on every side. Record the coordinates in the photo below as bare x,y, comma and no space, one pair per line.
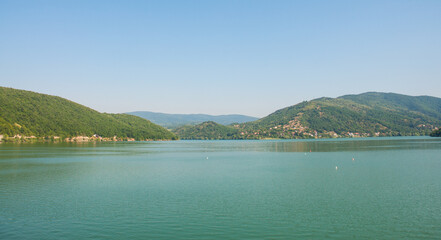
35,115
31,115
207,131
363,115
175,120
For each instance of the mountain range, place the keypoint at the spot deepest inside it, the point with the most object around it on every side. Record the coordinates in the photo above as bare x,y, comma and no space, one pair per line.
173,121
363,115
30,115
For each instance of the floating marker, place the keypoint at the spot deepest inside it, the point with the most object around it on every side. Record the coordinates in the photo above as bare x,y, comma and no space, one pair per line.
353,159
336,168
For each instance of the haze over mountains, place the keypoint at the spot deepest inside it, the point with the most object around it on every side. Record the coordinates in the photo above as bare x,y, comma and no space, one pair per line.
369,114
175,120
363,115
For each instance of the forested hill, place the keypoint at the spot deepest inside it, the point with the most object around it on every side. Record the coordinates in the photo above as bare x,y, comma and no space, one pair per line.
33,114
176,120
367,114
207,131
364,115
436,133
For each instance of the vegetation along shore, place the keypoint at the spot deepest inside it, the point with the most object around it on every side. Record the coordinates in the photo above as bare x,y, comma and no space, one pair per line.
28,116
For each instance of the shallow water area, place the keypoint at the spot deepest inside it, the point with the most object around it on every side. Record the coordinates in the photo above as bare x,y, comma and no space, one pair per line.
373,188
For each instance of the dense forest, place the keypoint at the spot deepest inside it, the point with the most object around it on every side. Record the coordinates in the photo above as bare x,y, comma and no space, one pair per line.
25,113
28,113
364,115
436,133
207,131
173,121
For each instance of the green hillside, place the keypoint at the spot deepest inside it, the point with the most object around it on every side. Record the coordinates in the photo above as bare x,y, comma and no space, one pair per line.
207,131
426,105
363,115
173,121
368,114
436,133
32,114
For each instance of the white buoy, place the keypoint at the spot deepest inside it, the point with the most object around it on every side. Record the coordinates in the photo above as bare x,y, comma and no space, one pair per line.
353,159
207,158
336,168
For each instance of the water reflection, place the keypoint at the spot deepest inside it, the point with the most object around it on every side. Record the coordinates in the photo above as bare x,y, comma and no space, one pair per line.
66,150
50,150
234,189
355,145
322,145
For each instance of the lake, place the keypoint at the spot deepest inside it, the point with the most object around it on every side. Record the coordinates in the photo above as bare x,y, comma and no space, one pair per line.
375,188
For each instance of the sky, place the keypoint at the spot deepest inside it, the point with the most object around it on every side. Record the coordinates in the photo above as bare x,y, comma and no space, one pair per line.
218,57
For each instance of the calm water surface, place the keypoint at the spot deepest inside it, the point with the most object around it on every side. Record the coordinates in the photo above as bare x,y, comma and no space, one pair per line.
384,188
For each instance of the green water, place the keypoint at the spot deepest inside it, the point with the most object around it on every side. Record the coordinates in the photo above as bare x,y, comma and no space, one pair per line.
223,190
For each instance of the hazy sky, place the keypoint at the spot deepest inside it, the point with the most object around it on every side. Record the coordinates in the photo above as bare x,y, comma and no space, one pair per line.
218,57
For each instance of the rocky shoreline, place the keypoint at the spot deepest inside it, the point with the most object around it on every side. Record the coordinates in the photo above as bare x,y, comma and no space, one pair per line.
77,139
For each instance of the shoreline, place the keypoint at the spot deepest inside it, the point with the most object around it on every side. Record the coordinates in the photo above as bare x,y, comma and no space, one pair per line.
76,139
85,139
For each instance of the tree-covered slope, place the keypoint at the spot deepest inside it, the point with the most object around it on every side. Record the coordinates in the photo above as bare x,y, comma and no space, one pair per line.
207,131
363,115
429,106
436,133
368,114
177,120
33,114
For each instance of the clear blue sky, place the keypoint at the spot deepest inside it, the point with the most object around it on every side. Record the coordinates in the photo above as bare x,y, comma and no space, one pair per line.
218,57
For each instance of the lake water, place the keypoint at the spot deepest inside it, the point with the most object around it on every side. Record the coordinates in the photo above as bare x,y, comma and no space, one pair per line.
382,188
